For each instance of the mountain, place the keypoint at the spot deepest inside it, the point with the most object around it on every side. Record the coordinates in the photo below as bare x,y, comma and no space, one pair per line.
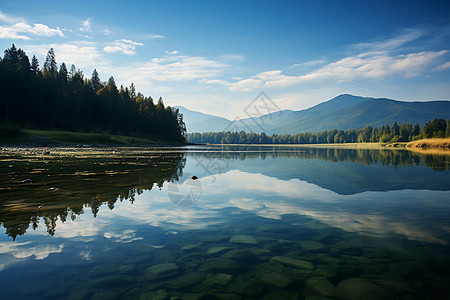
342,112
199,122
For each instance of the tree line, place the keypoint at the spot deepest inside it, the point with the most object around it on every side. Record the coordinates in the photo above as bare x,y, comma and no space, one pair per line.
405,132
62,98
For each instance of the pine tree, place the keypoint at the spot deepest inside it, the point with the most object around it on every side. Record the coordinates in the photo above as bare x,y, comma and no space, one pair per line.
63,74
132,92
73,71
35,65
16,59
96,83
111,86
50,66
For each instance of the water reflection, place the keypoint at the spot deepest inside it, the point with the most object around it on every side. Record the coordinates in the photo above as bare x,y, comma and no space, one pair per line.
344,171
64,184
281,224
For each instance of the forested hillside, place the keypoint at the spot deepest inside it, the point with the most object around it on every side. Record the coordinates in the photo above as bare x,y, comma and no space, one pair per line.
62,98
437,128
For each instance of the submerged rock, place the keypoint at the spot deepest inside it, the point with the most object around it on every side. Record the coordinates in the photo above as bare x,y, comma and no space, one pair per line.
219,279
292,262
221,265
312,245
102,270
358,288
190,246
155,295
280,294
243,255
260,252
321,286
227,297
185,281
248,288
111,281
316,298
374,253
161,271
276,279
215,250
211,238
243,239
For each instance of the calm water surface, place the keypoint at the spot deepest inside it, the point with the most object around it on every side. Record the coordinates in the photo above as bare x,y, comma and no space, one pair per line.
258,223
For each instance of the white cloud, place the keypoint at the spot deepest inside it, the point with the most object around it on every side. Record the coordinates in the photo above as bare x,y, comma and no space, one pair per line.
23,30
215,81
172,52
124,46
247,85
23,250
86,25
172,68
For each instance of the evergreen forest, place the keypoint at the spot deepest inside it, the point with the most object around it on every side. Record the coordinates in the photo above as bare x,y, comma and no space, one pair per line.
58,97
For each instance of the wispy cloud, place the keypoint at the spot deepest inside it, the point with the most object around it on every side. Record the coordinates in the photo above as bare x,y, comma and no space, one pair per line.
375,60
81,54
172,52
107,32
370,65
23,31
392,43
444,66
156,36
10,19
232,58
86,25
311,63
124,46
127,236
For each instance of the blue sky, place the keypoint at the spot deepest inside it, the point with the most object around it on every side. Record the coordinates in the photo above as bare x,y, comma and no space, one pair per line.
217,56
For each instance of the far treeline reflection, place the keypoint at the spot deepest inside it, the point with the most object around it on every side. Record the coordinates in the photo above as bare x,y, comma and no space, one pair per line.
63,186
436,162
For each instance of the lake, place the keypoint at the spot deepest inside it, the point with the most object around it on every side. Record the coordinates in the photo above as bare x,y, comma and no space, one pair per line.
260,222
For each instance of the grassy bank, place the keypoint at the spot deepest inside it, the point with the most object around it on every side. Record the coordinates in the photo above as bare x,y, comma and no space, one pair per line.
61,138
430,144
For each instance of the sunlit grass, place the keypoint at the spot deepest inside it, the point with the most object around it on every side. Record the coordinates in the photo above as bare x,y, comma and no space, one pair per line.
441,144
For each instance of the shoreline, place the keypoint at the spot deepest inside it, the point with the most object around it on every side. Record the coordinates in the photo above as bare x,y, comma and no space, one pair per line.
431,146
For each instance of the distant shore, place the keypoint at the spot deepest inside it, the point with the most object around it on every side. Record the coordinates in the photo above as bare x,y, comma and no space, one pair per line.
52,138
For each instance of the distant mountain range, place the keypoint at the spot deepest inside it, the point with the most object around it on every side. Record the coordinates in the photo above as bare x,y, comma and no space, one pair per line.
342,112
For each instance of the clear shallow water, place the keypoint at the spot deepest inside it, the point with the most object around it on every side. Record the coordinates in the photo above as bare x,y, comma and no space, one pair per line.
260,222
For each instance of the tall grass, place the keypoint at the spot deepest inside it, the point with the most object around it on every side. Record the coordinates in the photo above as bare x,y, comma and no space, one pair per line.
438,143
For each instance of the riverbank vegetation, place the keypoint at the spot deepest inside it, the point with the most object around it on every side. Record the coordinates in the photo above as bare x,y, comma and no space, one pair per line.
64,99
430,144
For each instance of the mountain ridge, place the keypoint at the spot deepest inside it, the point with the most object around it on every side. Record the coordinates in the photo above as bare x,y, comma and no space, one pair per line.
342,112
